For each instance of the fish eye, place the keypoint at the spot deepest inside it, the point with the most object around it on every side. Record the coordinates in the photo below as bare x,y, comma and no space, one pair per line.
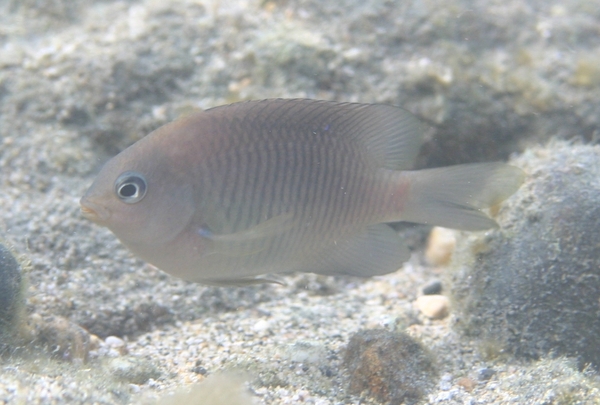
131,187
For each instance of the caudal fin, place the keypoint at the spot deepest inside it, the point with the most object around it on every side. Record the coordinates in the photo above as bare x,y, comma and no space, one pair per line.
453,196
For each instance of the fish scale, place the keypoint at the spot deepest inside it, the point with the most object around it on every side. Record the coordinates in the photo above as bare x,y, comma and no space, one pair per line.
278,192
230,194
281,156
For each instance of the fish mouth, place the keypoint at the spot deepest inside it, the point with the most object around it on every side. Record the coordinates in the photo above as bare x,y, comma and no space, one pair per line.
93,212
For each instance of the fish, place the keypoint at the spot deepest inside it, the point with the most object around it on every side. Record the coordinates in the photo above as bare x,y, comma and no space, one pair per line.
235,193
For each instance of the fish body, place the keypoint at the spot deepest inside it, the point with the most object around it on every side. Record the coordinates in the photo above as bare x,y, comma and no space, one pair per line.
252,188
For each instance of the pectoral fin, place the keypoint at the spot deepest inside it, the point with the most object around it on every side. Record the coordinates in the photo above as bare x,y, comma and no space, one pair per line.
249,241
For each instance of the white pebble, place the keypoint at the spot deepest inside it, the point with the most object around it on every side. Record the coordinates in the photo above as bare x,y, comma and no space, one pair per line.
433,306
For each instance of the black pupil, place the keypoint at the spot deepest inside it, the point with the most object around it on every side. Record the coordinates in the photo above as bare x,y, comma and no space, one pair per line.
128,190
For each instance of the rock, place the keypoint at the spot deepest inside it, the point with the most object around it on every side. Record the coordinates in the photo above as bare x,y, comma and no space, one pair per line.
433,306
485,373
392,367
440,246
532,286
62,338
10,291
198,369
467,383
432,288
116,344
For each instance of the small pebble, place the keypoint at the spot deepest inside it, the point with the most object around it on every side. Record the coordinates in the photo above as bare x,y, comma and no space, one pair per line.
467,383
485,374
433,306
434,287
440,246
261,326
116,344
199,370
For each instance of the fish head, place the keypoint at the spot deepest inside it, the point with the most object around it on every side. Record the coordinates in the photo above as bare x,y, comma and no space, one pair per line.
142,195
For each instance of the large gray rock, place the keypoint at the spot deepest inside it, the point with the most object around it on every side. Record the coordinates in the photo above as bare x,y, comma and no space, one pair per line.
533,286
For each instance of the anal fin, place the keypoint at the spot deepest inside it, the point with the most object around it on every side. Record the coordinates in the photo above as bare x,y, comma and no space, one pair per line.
241,282
376,251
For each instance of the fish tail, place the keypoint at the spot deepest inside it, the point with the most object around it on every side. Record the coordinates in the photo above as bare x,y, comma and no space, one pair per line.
454,196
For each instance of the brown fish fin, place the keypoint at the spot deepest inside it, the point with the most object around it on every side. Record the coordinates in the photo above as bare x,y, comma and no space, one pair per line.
453,196
378,250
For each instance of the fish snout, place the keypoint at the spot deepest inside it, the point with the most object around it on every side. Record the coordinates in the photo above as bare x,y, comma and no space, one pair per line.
92,211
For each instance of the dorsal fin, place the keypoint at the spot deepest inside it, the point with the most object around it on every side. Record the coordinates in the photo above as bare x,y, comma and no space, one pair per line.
392,135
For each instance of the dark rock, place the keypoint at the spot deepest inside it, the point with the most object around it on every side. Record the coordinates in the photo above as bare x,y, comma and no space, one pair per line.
199,370
10,290
532,286
392,367
433,288
485,373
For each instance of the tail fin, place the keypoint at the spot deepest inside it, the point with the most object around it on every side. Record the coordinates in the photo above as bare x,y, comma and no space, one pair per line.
453,196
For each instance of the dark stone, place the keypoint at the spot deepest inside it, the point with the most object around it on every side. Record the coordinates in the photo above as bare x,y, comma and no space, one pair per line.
485,373
433,288
10,289
532,286
392,367
199,370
